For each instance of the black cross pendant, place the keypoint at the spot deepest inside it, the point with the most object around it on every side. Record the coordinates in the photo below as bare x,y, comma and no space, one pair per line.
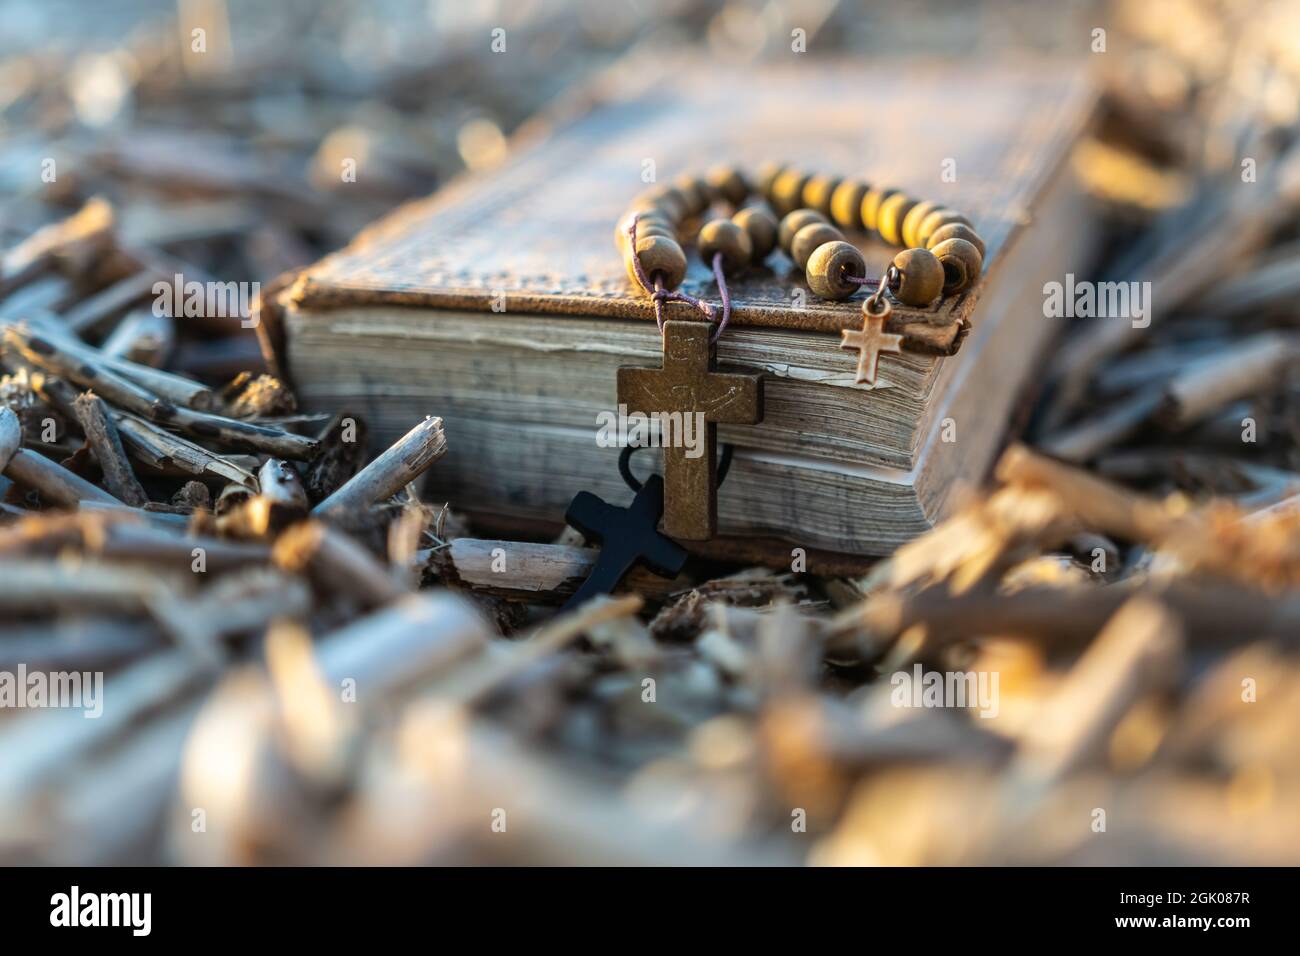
626,535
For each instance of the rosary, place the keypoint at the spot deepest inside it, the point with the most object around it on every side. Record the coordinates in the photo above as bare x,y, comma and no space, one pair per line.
942,256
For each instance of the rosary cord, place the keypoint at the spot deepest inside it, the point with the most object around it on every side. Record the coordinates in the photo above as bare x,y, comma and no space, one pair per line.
876,302
660,295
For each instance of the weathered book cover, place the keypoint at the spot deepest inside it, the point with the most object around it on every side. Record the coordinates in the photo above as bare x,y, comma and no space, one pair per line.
535,237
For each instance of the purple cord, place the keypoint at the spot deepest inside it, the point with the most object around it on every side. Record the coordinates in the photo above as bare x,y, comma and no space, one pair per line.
660,295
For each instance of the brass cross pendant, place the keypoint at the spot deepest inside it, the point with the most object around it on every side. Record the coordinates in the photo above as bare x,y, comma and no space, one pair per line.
688,384
870,342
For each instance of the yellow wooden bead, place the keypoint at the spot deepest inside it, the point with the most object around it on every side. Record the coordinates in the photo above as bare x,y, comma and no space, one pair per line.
787,191
817,193
661,255
807,239
724,237
729,183
830,266
912,222
962,264
956,230
889,221
920,277
846,204
766,178
871,202
762,228
792,223
936,220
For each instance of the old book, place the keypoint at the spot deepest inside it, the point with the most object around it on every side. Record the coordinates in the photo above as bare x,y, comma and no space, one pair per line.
502,305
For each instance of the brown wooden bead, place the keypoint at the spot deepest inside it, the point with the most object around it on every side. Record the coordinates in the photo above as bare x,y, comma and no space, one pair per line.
762,228
889,221
962,264
670,201
766,178
920,277
846,204
871,202
652,222
698,193
729,183
912,221
792,223
937,219
829,267
722,236
817,193
787,191
807,239
956,230
659,254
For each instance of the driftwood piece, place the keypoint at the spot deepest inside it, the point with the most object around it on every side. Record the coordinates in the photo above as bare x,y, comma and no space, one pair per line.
55,483
166,385
46,585
74,364
46,352
388,474
74,240
1244,369
143,337
104,440
483,676
524,571
165,451
280,501
90,314
336,564
1138,651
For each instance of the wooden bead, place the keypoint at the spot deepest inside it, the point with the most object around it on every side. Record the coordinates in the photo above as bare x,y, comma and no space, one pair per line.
807,239
871,202
920,277
653,222
659,254
792,223
817,193
729,183
829,267
936,220
912,221
787,191
766,178
956,230
889,221
846,204
725,237
698,193
761,226
670,201
962,264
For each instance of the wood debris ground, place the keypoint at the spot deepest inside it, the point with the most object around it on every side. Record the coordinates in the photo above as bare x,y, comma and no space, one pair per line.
321,667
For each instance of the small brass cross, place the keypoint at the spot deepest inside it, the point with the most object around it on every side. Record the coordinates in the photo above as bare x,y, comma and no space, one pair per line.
870,343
